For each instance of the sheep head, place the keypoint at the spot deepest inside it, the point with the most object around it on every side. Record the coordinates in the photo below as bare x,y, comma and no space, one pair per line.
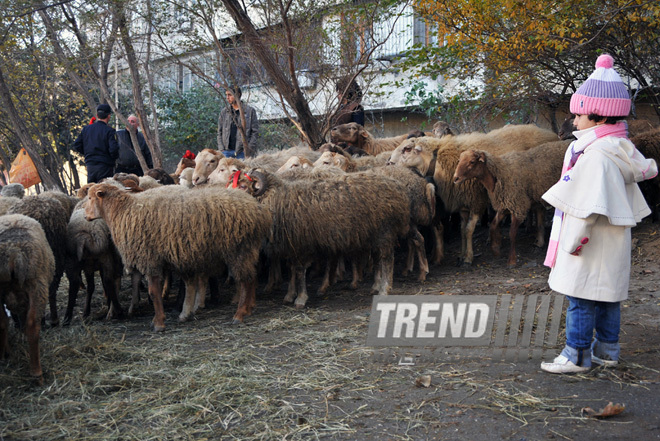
94,204
205,162
184,163
351,133
567,128
471,164
412,155
224,170
441,129
296,162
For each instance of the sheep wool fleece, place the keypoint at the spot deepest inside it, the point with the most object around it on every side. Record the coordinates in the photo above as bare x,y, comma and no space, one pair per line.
600,201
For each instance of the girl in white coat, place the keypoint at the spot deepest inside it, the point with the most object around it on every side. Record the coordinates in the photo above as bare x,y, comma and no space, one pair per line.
597,201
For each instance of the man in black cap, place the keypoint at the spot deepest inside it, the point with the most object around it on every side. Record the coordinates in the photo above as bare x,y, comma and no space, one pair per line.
98,144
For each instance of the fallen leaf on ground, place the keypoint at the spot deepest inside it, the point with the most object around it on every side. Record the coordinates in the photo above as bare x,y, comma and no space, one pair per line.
608,411
423,381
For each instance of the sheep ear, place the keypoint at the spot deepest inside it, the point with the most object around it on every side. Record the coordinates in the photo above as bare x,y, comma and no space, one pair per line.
482,157
100,193
418,149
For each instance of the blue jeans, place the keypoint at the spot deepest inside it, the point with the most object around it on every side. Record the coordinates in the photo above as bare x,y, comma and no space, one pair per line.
232,154
582,317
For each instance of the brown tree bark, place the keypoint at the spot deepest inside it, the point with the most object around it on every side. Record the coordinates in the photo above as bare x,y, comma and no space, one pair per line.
288,88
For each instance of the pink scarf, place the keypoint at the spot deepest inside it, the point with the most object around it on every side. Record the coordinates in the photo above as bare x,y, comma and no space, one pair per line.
575,150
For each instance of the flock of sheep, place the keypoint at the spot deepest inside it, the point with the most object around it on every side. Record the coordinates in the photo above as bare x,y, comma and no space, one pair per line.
348,205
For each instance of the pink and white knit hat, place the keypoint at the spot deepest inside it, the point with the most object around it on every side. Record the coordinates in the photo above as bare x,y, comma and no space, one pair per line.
603,94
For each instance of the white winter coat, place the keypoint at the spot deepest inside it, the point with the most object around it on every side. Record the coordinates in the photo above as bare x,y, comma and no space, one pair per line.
601,201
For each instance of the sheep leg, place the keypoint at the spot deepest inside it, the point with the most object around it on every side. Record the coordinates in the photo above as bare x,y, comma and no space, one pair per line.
339,274
420,246
469,233
274,275
4,333
189,301
357,265
540,227
301,272
410,256
110,287
52,298
156,294
32,329
291,290
330,268
246,300
437,230
200,298
495,233
136,277
513,234
74,285
89,280
385,274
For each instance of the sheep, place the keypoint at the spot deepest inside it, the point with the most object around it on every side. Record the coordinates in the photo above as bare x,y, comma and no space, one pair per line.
441,128
53,218
422,200
515,182
185,177
6,202
15,190
346,148
27,267
208,159
311,219
161,176
222,226
148,183
439,158
225,168
187,161
355,134
296,162
89,249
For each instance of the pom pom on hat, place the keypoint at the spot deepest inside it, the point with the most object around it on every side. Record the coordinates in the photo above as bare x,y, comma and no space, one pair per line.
603,94
605,61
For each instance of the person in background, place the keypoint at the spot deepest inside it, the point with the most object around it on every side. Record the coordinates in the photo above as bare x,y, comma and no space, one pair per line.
230,141
98,144
350,99
597,201
128,161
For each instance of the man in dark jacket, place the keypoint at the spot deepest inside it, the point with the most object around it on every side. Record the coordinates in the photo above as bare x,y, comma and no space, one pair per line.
230,140
128,161
98,144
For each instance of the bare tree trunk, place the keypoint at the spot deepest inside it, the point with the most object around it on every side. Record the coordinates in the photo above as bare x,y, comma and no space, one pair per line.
150,77
288,88
131,59
50,180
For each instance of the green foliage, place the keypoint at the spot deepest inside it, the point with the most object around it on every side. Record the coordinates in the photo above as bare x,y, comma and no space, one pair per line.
189,120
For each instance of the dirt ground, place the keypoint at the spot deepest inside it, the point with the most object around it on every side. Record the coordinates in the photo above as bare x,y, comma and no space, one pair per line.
291,374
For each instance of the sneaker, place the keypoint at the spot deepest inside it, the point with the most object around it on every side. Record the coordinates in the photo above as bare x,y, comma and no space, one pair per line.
603,361
562,365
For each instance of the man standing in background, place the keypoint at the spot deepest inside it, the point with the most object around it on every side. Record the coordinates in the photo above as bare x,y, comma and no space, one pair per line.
98,144
128,161
230,141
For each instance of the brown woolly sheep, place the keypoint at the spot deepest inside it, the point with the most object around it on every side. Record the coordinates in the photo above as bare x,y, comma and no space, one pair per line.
468,198
515,182
53,218
161,176
313,219
90,249
27,267
183,164
222,226
355,134
441,128
350,150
